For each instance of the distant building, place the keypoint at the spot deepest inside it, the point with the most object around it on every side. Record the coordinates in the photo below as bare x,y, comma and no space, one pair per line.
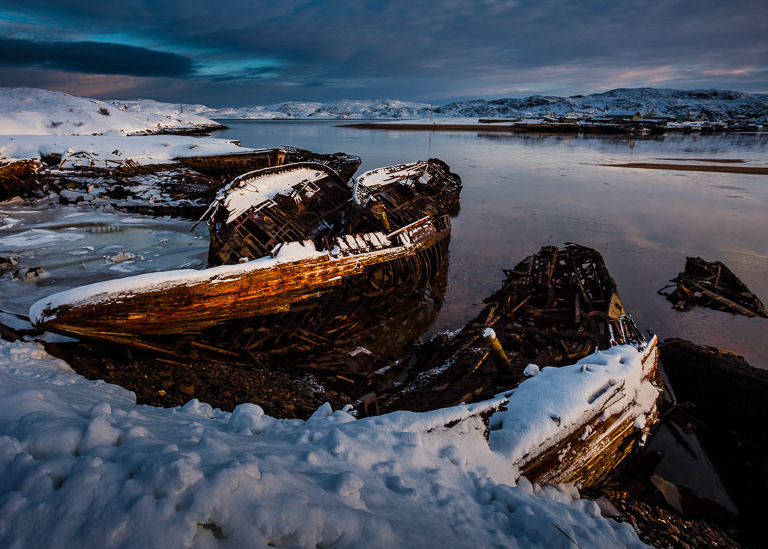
618,117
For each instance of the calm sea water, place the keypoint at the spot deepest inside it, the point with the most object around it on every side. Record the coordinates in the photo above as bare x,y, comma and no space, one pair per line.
522,192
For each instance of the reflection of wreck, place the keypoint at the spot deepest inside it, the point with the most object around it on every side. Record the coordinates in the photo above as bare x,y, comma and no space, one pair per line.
712,285
294,256
554,308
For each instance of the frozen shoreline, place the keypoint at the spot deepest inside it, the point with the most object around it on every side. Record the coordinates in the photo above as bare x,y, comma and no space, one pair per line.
83,459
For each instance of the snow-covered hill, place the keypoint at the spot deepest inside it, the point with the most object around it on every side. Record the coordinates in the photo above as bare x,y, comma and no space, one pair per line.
344,109
715,104
30,111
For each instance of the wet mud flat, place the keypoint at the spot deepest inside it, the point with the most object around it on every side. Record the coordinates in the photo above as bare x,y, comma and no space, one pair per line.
719,166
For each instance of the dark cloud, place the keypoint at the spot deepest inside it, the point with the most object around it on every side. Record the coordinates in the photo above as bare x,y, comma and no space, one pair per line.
93,58
412,49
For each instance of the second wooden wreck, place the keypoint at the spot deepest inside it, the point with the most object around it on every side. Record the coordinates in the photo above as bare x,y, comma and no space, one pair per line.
580,382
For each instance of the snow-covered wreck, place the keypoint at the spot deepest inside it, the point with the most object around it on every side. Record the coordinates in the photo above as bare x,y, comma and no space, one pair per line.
294,254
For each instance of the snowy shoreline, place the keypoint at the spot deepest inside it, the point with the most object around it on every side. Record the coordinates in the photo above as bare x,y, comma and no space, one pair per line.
98,470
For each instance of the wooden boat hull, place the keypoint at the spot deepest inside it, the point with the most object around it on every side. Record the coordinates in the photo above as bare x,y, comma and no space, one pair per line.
140,310
588,453
556,307
586,447
712,285
231,165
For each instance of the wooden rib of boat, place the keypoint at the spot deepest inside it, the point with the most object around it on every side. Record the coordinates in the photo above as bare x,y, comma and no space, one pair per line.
712,285
326,258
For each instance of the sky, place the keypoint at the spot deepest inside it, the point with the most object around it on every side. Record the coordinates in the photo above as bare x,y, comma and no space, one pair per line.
250,52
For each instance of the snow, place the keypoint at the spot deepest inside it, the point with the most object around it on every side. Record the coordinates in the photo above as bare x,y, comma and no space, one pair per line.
30,111
405,174
110,151
543,409
251,190
82,465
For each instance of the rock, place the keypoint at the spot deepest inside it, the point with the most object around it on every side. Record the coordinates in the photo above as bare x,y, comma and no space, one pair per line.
8,262
122,256
30,273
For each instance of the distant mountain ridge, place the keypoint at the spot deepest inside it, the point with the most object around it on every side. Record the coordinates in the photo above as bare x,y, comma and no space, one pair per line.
343,109
713,104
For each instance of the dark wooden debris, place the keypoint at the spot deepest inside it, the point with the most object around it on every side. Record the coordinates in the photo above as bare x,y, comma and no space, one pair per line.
17,176
712,285
8,262
345,165
554,308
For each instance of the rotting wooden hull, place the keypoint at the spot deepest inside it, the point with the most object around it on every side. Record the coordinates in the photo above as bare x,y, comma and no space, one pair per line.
612,423
342,163
712,285
140,310
230,165
15,174
591,452
293,256
311,200
555,308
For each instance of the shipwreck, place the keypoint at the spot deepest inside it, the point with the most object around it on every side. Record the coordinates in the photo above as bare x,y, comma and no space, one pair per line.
295,255
558,309
713,285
